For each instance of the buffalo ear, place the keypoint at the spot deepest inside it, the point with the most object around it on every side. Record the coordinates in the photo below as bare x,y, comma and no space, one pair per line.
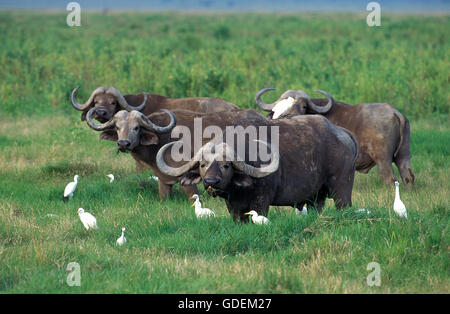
149,138
83,116
242,180
191,177
109,135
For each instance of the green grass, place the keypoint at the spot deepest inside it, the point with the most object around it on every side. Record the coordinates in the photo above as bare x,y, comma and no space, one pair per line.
43,144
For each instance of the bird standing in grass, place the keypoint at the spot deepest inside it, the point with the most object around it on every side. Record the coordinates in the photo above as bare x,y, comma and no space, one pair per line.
199,211
70,188
399,207
304,211
122,240
111,177
258,219
89,221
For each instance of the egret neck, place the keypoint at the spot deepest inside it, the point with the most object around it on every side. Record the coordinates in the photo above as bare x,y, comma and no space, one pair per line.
397,192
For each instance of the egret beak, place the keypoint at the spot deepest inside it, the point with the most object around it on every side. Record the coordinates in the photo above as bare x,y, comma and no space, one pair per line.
247,214
192,205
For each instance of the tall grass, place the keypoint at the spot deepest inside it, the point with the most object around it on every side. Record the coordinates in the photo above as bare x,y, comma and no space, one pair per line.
403,62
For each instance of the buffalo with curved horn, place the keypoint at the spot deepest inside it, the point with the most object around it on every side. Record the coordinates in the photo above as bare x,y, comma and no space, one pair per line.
209,152
107,101
134,126
301,101
314,160
383,133
104,96
144,135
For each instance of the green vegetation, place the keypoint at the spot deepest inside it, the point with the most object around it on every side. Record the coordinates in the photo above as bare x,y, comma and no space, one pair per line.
43,144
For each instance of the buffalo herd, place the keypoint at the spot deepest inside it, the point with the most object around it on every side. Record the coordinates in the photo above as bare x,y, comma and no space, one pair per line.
305,150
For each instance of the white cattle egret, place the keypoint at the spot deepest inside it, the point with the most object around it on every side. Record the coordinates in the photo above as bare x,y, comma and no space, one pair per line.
399,207
89,221
362,211
70,188
258,219
199,211
111,177
122,240
282,106
304,211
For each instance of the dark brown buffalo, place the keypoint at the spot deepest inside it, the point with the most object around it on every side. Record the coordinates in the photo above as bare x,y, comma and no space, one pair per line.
315,159
107,101
143,135
382,131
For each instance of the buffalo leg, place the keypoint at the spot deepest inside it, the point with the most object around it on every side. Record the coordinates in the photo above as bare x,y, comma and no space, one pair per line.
341,189
320,199
386,172
140,167
342,202
342,199
237,215
319,202
190,190
260,204
403,163
402,159
164,190
404,167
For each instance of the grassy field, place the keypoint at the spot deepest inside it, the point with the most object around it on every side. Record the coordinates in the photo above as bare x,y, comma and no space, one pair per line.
43,144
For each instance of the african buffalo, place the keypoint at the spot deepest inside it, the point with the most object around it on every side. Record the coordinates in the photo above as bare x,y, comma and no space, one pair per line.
108,100
143,135
382,131
314,160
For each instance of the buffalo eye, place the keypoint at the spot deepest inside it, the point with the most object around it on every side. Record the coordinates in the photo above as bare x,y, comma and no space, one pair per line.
136,128
226,166
203,165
